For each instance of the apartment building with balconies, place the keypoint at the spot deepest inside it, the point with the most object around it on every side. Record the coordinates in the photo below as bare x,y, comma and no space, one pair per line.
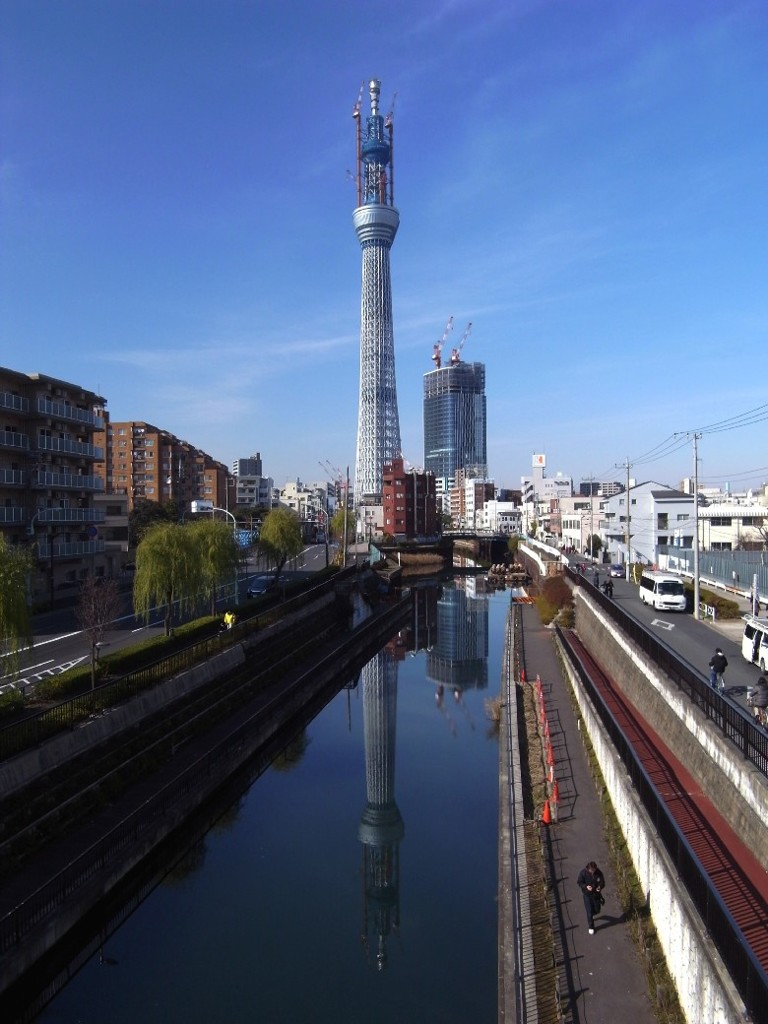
145,461
48,479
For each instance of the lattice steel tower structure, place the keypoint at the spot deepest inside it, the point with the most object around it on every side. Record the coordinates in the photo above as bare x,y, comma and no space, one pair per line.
376,222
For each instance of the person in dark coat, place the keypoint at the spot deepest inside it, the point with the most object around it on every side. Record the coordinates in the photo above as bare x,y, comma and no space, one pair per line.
718,663
591,882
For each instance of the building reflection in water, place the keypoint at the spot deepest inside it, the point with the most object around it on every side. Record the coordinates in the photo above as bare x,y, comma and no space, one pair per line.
458,660
381,826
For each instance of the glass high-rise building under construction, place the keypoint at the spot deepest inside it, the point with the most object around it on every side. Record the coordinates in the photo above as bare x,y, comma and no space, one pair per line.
454,423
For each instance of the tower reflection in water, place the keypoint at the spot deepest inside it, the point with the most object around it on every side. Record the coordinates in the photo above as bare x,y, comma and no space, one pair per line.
381,826
450,623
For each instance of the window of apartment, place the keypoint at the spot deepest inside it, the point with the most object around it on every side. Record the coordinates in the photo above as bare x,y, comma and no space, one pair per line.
122,432
721,521
682,516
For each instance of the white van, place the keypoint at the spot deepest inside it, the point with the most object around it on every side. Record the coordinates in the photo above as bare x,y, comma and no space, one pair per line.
754,641
662,590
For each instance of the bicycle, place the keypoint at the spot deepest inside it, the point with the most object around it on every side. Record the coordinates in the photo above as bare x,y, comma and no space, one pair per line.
760,714
717,680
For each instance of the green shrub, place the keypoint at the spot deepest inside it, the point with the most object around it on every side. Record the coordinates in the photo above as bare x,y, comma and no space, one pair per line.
11,702
567,617
724,607
68,684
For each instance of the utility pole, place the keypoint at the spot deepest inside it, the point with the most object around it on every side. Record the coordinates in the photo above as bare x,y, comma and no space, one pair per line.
696,584
629,534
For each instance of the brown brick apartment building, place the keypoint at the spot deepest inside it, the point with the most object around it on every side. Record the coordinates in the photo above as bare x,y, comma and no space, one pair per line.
143,461
409,502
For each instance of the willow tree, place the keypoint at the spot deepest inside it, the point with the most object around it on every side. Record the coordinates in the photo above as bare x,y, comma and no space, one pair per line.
217,553
281,537
168,572
16,564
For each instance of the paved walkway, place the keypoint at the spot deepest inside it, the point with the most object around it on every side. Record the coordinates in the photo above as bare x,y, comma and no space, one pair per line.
601,976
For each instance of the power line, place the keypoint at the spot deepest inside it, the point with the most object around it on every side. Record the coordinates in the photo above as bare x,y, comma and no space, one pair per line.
744,419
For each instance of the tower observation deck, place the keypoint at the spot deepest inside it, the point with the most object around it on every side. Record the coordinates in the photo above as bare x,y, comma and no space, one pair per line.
376,222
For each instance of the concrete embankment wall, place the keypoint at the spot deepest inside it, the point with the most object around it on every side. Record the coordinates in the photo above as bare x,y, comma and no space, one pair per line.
23,769
704,986
190,784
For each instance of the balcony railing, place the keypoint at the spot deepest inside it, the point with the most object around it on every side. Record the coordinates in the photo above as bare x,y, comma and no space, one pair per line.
13,439
12,514
63,444
13,476
68,549
70,515
16,402
82,483
66,411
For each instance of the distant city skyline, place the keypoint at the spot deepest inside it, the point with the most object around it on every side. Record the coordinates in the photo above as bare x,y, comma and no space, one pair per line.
583,182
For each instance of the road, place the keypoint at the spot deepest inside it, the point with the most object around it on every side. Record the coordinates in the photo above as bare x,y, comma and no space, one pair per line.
59,642
694,640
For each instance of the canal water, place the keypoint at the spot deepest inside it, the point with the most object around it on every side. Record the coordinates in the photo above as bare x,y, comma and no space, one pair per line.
356,880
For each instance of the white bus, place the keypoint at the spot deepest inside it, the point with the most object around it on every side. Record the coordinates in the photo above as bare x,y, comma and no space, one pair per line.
754,641
662,590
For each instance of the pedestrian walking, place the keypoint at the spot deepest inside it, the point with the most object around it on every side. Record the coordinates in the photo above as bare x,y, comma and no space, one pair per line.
758,699
718,663
596,578
592,882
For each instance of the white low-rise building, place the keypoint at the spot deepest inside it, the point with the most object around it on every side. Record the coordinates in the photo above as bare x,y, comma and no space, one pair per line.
653,514
501,517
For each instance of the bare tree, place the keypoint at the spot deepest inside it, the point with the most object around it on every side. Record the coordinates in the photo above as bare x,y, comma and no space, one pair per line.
99,605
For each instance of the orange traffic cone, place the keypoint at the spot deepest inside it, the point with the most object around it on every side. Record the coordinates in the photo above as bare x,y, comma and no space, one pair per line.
546,817
522,675
550,755
555,793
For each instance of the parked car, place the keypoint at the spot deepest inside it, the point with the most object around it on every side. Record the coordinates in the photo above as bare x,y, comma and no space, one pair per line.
259,585
617,571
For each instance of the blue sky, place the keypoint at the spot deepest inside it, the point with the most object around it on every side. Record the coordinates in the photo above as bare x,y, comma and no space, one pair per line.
584,181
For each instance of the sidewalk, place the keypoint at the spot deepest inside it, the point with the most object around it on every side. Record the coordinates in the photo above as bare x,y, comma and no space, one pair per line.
601,977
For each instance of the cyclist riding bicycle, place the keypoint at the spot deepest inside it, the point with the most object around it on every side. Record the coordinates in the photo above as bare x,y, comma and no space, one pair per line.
718,663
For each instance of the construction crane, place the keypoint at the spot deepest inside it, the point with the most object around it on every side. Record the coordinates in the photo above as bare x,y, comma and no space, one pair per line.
456,353
436,358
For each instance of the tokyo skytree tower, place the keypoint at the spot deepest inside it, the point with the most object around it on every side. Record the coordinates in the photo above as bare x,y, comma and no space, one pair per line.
376,221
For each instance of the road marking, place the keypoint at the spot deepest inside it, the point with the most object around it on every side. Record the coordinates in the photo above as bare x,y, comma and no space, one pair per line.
55,639
662,624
